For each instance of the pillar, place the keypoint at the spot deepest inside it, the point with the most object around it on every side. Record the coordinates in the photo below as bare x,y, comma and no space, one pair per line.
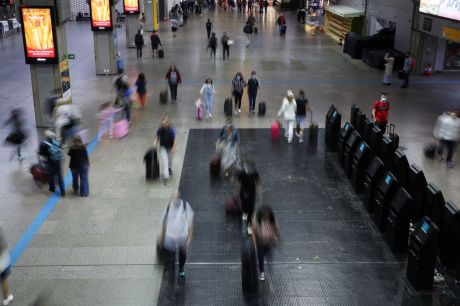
151,14
131,25
46,78
106,49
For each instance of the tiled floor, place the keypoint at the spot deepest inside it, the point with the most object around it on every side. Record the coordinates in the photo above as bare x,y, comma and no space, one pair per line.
101,250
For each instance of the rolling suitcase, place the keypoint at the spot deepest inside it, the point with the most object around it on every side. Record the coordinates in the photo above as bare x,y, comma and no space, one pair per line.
393,136
228,107
121,128
276,131
256,30
262,109
152,167
249,280
161,53
313,132
214,165
430,150
39,174
163,96
199,110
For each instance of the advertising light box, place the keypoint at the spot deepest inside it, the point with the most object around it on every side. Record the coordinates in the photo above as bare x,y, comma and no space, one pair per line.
131,6
442,8
39,35
101,15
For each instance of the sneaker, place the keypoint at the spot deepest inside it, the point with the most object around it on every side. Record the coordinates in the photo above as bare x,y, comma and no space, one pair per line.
245,216
210,115
170,171
181,273
289,141
249,230
8,300
262,276
239,110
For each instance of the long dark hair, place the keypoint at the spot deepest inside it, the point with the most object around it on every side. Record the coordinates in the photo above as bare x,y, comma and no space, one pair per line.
265,210
141,77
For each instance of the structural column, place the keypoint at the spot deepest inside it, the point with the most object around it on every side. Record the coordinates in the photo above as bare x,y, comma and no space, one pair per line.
151,15
131,25
106,48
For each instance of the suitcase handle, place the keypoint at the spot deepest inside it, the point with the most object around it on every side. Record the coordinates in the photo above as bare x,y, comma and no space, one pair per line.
391,129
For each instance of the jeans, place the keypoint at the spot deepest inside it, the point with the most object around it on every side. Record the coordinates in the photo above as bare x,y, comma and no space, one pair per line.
262,251
54,170
238,97
450,145
252,102
208,103
139,52
226,49
127,110
406,79
248,202
165,161
173,88
382,125
289,129
171,260
80,175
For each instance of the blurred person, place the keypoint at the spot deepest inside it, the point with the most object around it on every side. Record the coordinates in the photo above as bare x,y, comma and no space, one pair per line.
124,92
380,111
301,113
266,235
212,44
447,131
207,91
106,117
249,184
288,111
406,69
67,117
227,146
281,21
251,20
141,89
244,3
5,269
209,28
50,149
174,25
139,42
266,6
18,134
177,232
253,87
79,166
225,45
155,42
389,63
166,140
238,84
174,79
247,30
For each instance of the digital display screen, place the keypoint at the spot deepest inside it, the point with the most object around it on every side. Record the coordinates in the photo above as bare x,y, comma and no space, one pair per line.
362,146
101,15
442,8
131,6
425,227
39,35
388,179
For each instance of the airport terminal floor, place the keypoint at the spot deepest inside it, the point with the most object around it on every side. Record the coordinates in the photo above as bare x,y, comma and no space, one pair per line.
101,249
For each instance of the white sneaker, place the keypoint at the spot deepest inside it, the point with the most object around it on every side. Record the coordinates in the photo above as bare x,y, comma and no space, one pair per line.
8,300
249,230
239,110
245,216
236,112
262,276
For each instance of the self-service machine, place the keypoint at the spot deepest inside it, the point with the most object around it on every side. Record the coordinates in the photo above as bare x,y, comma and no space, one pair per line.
332,131
434,204
361,160
349,150
400,167
416,187
372,177
397,221
344,134
449,239
384,193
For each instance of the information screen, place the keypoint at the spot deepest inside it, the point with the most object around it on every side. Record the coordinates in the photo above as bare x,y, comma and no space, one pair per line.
39,35
425,227
442,8
101,15
131,6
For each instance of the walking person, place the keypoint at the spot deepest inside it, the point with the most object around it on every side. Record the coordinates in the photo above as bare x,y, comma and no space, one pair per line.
139,42
238,84
406,69
225,45
18,134
288,110
177,233
266,235
248,32
141,89
228,146
209,27
239,4
250,3
174,25
5,269
166,140
447,131
281,22
207,91
105,115
212,44
50,149
380,111
67,117
389,63
266,6
156,43
174,79
253,87
249,186
79,166
301,114
244,3
251,20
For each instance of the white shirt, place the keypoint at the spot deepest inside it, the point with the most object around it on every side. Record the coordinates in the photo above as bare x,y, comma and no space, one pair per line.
447,127
288,109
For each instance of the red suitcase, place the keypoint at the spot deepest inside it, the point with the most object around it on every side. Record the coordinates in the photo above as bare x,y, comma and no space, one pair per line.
233,206
276,131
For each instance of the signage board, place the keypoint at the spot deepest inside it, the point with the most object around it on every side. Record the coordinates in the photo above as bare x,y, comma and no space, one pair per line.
131,6
101,15
442,8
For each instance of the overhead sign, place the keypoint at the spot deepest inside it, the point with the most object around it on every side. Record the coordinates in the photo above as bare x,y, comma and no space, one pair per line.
39,35
101,15
131,6
441,8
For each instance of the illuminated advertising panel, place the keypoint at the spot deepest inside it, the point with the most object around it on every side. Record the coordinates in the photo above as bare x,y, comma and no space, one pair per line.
39,35
131,6
101,15
442,8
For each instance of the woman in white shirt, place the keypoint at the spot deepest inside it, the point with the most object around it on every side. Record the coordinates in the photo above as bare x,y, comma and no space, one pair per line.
288,110
207,91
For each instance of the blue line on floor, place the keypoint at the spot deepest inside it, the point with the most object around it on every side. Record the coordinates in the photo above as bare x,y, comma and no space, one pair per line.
48,207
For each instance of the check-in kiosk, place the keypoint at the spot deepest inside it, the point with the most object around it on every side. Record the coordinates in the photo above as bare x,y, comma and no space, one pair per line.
372,177
344,134
349,150
330,111
422,254
353,113
376,139
387,151
361,117
416,187
397,221
361,160
384,193
367,129
449,239
333,131
434,204
400,167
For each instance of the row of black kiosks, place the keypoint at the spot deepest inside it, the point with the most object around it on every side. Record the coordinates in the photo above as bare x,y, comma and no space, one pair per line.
332,128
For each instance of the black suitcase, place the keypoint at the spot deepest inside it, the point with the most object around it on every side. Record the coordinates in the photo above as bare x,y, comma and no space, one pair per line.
161,53
262,108
256,30
228,107
152,167
393,136
249,279
313,133
430,150
214,165
163,96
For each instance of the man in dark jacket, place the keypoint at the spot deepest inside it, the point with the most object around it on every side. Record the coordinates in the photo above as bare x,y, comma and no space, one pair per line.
166,139
253,86
139,42
225,45
209,28
156,43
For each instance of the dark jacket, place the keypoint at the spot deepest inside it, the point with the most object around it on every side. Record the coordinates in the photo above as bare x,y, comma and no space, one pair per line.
155,41
78,158
139,40
253,86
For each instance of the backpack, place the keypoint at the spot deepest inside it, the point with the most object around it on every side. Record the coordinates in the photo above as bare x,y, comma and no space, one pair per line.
54,150
247,29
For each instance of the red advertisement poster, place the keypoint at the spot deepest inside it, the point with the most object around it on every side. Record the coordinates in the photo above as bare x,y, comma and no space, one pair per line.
38,33
131,6
101,18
